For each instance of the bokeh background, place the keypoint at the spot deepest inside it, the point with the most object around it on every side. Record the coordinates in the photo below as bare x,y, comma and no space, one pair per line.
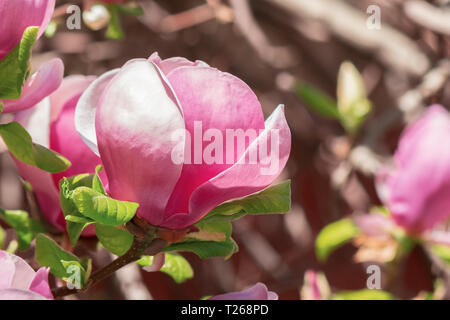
271,45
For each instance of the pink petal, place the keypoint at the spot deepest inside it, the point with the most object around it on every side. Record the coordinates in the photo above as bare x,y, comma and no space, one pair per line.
258,292
135,121
70,86
23,273
168,65
244,177
40,284
65,139
18,294
41,84
17,15
437,237
420,186
216,101
158,263
87,108
37,123
7,269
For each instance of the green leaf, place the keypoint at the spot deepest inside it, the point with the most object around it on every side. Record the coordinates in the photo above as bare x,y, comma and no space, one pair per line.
20,144
114,30
75,269
318,101
18,141
274,199
2,237
115,240
364,294
49,160
97,184
49,254
15,66
12,246
26,227
215,228
1,107
77,222
103,209
131,9
333,236
206,249
442,251
177,267
353,104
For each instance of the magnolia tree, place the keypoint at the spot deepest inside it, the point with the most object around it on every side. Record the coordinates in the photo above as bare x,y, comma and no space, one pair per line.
160,156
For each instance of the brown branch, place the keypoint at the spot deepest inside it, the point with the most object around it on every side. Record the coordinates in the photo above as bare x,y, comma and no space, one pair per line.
147,244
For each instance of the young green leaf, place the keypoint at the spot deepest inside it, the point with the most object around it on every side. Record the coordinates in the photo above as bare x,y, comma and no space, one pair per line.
206,249
97,184
114,30
442,251
364,294
15,66
215,228
101,208
2,237
274,199
78,276
26,227
76,222
49,254
333,236
131,9
317,100
115,240
177,267
20,144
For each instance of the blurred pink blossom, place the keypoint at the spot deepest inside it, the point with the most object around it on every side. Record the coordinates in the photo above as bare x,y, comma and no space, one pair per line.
258,292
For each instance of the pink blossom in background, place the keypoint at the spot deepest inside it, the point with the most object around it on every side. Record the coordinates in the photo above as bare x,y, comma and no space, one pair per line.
51,123
258,292
416,191
15,17
129,116
418,188
18,281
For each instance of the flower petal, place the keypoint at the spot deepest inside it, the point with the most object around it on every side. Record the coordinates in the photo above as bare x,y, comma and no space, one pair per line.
170,64
218,103
7,269
23,273
65,139
40,284
36,121
420,185
244,177
135,121
70,86
18,294
87,108
41,84
258,292
375,225
17,15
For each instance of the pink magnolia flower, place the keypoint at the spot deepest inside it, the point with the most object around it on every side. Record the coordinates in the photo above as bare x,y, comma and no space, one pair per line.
51,124
146,121
18,281
15,17
258,292
419,187
417,190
